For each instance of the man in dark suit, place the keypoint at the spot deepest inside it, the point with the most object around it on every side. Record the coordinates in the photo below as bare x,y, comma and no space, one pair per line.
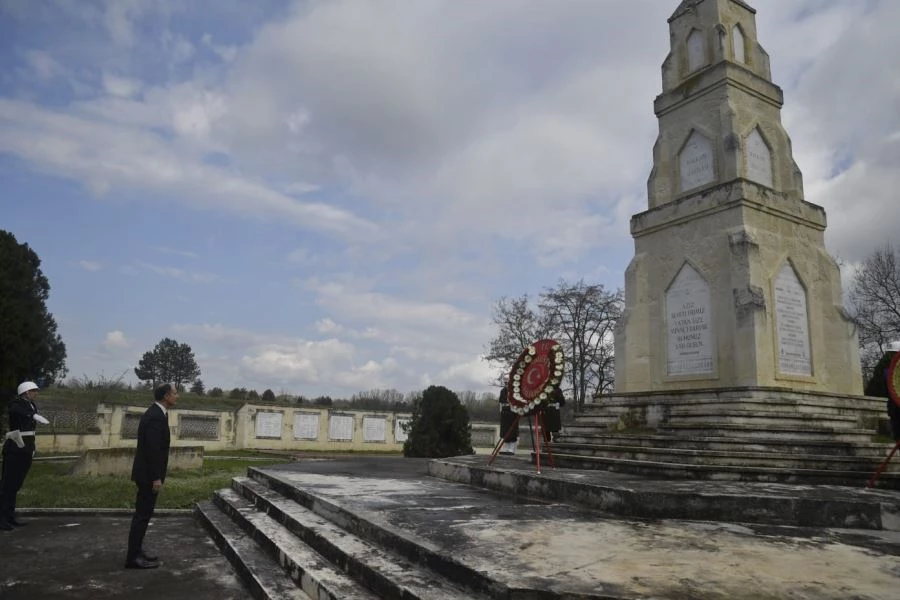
151,459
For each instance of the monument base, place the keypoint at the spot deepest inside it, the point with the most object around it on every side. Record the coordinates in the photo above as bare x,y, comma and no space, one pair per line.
739,434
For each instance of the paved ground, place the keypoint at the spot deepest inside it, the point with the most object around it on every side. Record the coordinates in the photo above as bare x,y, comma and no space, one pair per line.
81,558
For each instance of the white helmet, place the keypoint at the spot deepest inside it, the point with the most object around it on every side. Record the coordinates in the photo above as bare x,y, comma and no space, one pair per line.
26,386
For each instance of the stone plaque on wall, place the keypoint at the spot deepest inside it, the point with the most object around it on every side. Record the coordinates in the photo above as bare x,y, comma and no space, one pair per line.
737,38
340,427
696,51
791,324
306,426
689,325
399,434
696,162
373,429
268,424
759,159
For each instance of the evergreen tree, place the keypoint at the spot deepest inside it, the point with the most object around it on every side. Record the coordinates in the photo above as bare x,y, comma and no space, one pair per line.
168,362
439,426
30,347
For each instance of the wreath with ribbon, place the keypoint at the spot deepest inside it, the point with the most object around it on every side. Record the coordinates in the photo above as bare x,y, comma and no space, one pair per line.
533,376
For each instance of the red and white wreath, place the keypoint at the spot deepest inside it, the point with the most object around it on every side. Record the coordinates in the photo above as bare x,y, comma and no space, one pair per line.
533,376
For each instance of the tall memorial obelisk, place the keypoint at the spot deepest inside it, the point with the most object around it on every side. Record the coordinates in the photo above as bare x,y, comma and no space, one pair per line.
730,285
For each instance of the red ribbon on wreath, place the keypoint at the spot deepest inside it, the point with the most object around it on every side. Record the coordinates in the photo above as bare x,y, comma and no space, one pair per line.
893,379
533,376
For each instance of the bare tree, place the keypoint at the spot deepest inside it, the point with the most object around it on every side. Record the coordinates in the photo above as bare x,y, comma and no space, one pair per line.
519,325
875,304
582,318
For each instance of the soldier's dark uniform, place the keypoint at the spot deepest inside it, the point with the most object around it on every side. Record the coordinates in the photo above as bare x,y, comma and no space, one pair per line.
16,461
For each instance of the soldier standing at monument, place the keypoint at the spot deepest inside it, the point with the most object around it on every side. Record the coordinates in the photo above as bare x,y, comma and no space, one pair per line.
18,451
507,421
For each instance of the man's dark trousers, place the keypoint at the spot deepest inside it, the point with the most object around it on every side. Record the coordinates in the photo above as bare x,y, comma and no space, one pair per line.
15,467
143,510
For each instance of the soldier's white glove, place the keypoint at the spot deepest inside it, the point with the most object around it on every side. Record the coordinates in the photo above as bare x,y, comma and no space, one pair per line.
41,419
16,437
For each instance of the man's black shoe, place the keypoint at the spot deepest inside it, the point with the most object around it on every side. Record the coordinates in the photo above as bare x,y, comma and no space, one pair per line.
149,557
141,563
5,526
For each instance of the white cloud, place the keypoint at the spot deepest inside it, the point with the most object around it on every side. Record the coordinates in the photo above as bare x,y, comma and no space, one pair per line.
105,154
43,65
122,87
116,340
181,274
90,265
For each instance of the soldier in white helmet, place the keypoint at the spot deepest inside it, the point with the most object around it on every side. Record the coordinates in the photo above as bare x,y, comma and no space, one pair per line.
18,451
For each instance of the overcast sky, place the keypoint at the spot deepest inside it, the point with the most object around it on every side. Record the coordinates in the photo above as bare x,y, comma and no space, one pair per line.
324,197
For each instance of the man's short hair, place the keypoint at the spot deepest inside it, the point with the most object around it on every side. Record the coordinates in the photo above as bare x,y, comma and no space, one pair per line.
160,392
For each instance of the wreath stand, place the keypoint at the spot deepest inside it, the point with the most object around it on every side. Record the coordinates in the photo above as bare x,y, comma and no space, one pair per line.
536,423
881,467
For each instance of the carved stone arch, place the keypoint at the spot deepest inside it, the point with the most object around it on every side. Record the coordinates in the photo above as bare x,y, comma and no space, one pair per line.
739,45
790,305
696,160
690,339
695,50
759,153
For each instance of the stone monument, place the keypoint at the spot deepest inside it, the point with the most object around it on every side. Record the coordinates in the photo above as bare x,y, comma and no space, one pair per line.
735,358
730,284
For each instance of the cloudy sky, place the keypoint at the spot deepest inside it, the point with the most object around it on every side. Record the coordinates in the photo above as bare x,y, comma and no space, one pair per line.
324,197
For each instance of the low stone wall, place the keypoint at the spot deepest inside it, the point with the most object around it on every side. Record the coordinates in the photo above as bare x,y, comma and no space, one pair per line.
117,461
252,427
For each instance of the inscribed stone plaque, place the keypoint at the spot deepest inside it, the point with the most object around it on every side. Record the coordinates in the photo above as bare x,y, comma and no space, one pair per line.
268,424
399,433
696,51
759,159
340,427
696,162
689,325
373,429
791,324
737,40
306,426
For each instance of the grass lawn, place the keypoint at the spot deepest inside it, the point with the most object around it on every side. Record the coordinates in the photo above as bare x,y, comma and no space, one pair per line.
48,486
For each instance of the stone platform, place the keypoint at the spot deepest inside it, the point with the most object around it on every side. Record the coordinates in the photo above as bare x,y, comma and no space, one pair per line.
389,528
746,434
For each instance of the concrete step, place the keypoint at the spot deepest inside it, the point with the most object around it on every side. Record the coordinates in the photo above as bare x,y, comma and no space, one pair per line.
709,500
309,570
761,418
261,576
575,435
729,458
778,432
717,407
680,470
373,531
387,574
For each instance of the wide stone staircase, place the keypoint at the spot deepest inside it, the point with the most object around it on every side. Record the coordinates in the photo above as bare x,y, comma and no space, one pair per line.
287,543
753,434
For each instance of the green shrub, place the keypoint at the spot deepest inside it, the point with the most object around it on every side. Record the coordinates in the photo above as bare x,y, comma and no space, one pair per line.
439,426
